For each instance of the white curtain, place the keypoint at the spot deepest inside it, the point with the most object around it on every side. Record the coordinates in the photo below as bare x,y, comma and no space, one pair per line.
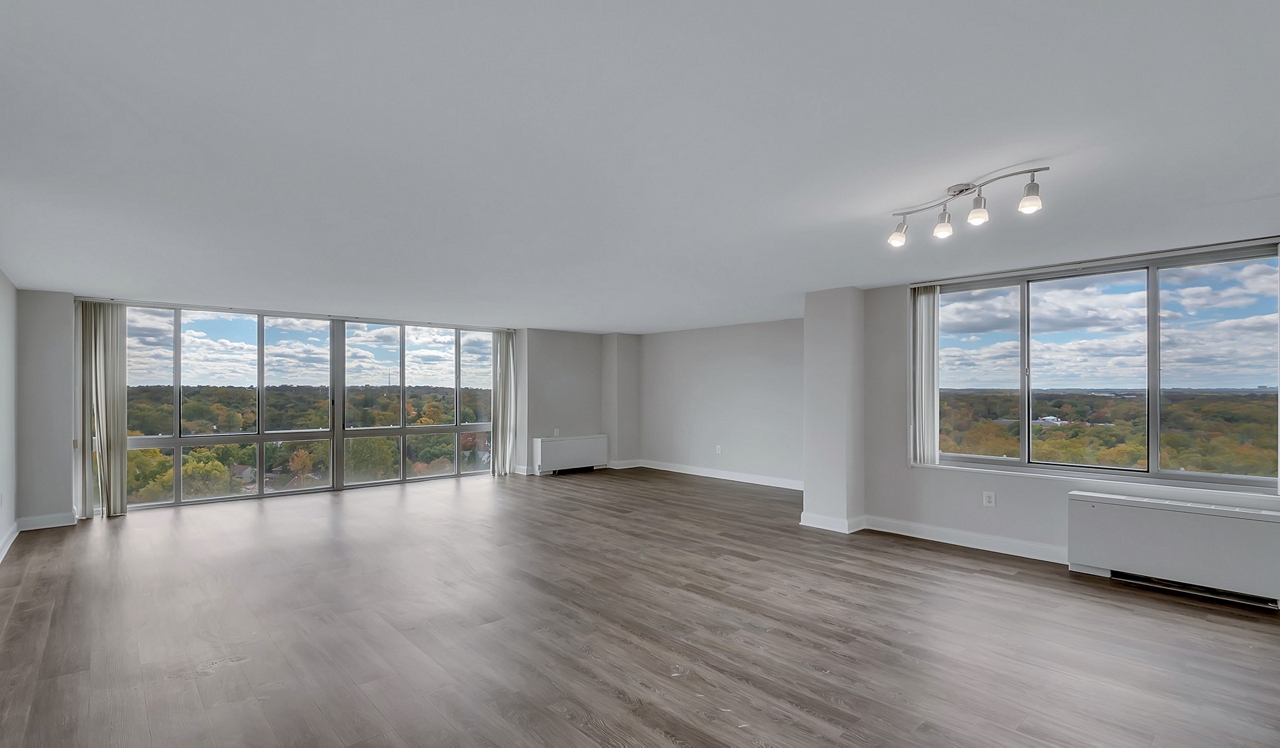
102,339
924,431
504,400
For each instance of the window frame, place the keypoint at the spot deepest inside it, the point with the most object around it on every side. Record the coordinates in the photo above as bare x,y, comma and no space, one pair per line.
1152,265
337,432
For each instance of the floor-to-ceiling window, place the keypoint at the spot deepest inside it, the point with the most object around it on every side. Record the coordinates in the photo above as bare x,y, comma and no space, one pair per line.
238,404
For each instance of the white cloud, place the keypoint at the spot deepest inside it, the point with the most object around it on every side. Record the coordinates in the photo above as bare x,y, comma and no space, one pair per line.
1230,285
477,359
981,311
297,351
1116,362
219,362
1090,332
1089,308
1227,353
992,366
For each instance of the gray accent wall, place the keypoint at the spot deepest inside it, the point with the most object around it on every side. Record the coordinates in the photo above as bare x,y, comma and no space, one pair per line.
621,397
739,387
558,386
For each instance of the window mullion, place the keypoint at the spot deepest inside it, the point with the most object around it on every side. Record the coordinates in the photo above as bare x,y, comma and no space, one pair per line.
177,405
1153,369
338,398
1024,352
260,445
404,404
457,401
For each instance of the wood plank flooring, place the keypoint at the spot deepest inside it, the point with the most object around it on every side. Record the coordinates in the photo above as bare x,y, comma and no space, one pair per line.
620,608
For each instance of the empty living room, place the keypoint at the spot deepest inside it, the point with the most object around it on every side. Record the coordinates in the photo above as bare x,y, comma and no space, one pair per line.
710,373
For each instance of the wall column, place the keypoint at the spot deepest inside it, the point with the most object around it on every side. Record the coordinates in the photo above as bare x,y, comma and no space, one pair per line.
45,410
834,486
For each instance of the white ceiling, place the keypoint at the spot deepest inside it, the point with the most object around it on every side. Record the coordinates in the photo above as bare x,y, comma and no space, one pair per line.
626,167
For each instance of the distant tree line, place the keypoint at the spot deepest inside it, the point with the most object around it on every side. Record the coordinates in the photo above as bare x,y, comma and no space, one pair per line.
234,410
231,469
1209,431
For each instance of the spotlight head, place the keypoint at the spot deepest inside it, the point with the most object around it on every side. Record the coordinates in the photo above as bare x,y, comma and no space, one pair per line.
943,229
899,235
978,215
1030,202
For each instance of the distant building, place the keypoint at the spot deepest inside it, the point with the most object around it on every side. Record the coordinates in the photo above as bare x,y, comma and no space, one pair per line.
244,473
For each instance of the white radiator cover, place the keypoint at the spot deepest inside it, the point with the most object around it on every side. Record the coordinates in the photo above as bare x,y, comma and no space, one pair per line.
565,452
1228,548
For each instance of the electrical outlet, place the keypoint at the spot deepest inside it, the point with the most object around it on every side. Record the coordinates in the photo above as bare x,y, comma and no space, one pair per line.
988,498
556,432
717,449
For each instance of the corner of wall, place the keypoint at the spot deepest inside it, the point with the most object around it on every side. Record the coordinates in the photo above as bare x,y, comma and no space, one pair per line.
7,540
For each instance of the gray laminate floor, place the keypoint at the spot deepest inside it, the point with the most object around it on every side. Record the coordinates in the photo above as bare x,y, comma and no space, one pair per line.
622,608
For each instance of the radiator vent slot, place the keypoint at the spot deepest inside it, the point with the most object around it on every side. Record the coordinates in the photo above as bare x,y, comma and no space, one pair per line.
1195,590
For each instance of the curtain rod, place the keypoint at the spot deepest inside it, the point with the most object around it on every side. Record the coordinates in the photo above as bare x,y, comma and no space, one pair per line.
1085,264
278,313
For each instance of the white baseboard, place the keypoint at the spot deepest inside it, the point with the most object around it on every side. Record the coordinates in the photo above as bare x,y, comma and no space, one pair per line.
9,537
521,470
1097,571
41,521
996,543
759,480
834,524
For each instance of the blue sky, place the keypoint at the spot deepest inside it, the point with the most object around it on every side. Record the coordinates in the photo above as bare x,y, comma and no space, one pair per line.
297,351
373,354
221,349
1218,329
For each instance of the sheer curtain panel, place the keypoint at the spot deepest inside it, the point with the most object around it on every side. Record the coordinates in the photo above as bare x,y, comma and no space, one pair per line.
924,421
504,400
102,327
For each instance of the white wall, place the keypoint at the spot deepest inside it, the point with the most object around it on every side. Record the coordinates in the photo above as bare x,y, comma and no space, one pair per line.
739,387
8,416
45,411
559,387
1030,516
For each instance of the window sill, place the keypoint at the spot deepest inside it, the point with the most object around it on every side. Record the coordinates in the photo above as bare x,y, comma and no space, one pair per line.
1135,484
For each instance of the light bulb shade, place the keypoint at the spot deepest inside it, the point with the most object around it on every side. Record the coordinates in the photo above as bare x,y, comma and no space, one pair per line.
899,235
1030,202
943,229
978,215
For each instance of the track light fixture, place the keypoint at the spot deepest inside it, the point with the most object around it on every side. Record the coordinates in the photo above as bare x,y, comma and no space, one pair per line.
1029,204
1030,201
899,235
978,215
943,229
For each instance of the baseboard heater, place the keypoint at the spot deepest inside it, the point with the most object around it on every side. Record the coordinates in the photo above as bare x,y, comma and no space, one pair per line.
1224,552
554,454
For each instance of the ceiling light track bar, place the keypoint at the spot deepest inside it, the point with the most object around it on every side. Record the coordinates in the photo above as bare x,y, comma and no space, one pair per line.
969,190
